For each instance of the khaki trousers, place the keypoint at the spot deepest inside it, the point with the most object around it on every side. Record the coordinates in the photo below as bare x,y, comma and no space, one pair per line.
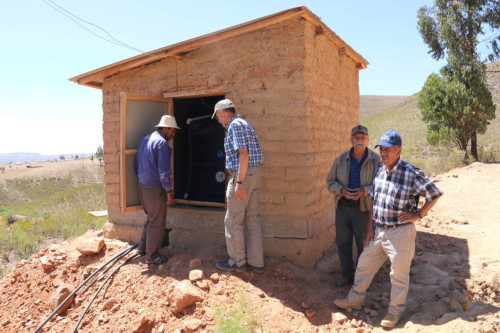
242,225
397,244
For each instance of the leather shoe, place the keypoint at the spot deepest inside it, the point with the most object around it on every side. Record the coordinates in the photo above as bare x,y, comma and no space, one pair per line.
390,320
343,281
346,303
255,269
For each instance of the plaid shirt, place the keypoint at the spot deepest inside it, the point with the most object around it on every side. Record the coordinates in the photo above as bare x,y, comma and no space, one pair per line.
394,191
241,135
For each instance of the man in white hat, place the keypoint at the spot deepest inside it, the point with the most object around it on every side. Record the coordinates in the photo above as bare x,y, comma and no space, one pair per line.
243,157
152,166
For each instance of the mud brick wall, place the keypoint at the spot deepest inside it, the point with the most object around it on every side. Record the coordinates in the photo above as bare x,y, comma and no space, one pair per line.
286,82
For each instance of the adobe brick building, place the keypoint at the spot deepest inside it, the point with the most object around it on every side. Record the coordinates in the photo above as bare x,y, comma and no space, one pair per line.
289,75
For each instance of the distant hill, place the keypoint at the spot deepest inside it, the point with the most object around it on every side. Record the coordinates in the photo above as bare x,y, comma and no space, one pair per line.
35,157
370,105
402,114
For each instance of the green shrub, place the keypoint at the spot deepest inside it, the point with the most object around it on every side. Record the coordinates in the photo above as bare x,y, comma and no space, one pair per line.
60,215
240,318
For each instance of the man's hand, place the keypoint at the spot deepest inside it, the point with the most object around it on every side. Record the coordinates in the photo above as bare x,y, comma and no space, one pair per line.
357,193
239,191
170,199
370,233
352,193
407,217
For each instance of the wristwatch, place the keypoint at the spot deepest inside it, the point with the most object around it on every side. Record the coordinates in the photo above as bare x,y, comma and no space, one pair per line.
418,214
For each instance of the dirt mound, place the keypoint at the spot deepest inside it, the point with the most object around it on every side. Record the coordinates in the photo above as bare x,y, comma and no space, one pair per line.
454,281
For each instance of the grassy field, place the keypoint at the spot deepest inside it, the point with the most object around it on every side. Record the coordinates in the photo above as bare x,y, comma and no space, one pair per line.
36,211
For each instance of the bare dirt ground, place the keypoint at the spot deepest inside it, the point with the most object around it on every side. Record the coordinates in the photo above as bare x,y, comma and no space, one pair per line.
44,169
455,283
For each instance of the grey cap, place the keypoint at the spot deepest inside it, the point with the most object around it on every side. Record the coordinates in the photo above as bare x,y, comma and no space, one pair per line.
359,128
222,105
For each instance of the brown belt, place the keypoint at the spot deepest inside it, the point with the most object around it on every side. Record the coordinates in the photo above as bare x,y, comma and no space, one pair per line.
391,226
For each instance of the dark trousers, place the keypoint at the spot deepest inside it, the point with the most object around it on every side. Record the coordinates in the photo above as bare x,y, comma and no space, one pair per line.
350,222
154,201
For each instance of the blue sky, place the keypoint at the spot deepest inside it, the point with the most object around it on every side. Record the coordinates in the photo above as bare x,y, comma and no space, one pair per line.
41,111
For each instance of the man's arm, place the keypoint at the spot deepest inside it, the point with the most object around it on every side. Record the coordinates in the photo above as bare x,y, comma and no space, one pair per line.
165,172
242,172
414,217
333,183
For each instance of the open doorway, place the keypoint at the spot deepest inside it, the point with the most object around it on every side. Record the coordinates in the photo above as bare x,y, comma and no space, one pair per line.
199,159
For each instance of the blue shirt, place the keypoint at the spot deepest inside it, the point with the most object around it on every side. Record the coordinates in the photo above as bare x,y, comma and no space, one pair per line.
394,191
241,135
355,170
152,162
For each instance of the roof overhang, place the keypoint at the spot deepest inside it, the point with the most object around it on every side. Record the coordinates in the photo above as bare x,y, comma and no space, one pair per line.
95,78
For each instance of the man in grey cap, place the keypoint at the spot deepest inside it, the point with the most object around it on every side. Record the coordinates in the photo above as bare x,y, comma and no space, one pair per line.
350,179
152,166
391,233
242,225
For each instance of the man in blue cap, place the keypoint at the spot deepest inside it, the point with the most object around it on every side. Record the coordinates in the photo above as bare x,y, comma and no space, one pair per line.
391,233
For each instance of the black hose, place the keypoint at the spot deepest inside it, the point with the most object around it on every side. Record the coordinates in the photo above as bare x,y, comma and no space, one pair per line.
123,254
118,256
75,329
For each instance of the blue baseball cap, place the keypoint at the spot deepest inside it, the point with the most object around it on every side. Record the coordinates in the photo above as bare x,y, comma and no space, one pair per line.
390,139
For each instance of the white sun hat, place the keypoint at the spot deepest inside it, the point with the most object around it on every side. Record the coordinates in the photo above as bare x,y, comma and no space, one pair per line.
167,121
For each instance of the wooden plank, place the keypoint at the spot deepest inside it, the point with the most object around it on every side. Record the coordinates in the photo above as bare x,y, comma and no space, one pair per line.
184,95
123,175
200,203
99,213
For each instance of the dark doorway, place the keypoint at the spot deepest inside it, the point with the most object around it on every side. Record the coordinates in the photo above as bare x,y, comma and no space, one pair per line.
199,159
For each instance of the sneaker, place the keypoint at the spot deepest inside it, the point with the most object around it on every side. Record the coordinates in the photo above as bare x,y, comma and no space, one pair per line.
390,320
255,269
346,303
224,265
343,281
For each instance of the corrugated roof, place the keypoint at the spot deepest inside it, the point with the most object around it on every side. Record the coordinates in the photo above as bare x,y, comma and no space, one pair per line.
95,78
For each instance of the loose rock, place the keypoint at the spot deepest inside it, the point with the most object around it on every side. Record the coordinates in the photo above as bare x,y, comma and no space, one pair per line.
310,313
59,296
196,275
215,277
46,263
183,294
192,325
340,317
90,246
195,263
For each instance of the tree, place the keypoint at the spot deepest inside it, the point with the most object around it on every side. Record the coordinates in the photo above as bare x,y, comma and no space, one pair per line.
451,29
99,154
